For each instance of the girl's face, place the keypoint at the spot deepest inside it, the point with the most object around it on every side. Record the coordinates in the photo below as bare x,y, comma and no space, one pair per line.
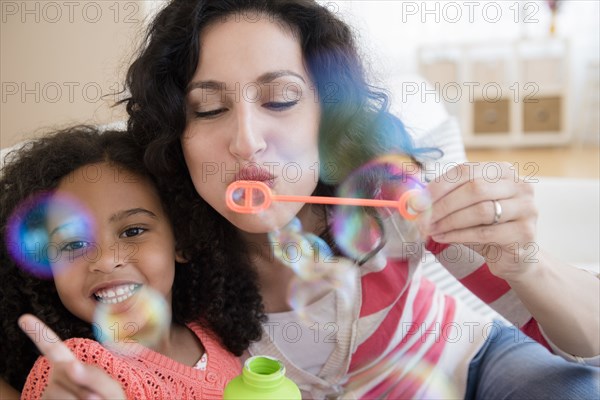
252,114
129,245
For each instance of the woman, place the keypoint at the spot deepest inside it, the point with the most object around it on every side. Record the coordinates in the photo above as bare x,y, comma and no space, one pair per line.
223,87
268,83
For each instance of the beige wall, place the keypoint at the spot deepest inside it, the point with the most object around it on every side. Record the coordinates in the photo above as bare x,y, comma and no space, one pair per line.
57,58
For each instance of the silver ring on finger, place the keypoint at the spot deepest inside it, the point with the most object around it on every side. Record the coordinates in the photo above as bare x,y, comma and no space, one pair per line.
497,212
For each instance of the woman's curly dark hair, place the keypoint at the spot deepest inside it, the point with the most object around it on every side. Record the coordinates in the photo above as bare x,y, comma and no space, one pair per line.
355,127
200,293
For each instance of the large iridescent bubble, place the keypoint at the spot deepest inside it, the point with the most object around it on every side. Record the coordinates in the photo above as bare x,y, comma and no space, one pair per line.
361,232
304,252
35,244
141,316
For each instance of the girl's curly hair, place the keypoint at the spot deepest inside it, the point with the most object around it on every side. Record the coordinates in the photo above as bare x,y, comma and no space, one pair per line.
224,299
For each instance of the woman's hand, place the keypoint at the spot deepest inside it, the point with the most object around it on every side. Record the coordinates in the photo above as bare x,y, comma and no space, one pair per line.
70,378
486,206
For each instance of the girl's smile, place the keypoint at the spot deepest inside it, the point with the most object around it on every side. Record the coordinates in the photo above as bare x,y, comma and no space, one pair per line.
113,293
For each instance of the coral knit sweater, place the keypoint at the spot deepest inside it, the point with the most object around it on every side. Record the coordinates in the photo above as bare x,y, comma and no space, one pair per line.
148,374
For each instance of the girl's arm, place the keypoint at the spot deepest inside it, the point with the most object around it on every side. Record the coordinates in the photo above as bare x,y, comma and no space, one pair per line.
563,300
69,379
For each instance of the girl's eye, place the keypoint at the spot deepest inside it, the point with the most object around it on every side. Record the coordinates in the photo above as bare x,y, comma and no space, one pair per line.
74,246
131,232
280,106
209,114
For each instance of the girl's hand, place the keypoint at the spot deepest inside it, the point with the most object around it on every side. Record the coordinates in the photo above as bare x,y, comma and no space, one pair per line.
486,207
70,378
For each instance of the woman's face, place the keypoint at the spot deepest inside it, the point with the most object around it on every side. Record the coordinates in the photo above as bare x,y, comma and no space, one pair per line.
252,114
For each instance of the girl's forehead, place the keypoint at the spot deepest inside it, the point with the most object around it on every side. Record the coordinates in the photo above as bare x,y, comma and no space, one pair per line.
95,174
104,185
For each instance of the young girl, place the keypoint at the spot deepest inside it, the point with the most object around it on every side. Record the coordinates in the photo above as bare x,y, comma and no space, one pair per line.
130,246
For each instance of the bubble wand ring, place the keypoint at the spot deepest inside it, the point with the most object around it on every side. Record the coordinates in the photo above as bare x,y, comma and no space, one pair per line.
250,207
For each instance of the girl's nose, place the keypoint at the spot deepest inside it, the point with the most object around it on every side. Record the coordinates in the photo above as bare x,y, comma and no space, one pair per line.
105,258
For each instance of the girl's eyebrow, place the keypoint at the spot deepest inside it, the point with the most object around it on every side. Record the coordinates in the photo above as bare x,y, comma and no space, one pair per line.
128,213
113,218
63,226
264,78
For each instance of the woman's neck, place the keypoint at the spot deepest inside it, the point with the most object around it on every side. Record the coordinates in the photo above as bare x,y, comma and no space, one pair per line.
274,276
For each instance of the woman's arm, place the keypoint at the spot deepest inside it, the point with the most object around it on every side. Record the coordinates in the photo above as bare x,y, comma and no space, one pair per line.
564,300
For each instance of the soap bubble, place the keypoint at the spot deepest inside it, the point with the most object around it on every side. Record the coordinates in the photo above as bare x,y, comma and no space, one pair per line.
360,232
317,271
140,316
37,229
305,253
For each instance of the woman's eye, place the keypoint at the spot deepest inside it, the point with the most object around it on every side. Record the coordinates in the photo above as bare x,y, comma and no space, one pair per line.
209,114
280,106
131,232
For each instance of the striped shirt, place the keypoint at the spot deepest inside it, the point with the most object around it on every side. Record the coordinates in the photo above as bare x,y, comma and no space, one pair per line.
402,337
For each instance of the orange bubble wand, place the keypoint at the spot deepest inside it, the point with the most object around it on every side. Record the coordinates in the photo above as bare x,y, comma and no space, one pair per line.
251,187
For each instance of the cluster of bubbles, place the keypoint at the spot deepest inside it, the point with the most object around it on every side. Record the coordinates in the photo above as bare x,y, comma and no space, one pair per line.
359,232
40,237
363,233
317,271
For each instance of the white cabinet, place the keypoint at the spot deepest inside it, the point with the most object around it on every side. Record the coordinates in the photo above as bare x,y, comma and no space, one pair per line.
504,94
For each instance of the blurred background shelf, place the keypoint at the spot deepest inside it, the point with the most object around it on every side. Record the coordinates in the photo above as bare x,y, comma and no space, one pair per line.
504,93
574,161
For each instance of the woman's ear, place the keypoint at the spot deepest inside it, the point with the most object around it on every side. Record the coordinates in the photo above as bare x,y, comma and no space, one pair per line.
180,258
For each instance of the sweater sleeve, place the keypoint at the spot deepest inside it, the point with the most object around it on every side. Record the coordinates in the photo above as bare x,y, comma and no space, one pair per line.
145,374
37,380
471,270
87,351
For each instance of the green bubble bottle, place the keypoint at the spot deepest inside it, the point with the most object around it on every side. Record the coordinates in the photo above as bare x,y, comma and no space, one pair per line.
262,378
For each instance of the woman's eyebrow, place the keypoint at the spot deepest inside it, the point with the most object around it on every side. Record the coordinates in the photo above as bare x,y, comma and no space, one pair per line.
262,79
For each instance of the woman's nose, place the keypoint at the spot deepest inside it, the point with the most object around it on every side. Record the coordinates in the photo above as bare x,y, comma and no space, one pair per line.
248,137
